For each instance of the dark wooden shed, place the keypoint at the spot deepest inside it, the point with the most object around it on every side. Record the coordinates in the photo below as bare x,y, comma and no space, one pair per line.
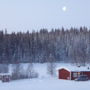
72,73
5,77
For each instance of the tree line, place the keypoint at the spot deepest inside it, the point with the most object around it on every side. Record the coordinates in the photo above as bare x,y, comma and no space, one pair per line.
64,45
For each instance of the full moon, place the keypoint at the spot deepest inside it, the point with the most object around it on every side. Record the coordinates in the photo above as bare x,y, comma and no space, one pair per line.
64,8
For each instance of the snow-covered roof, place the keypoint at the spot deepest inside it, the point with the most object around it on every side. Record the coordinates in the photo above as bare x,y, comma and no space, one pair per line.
74,68
5,74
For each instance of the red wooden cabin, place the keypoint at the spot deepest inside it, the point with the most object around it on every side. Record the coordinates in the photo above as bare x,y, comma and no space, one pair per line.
72,73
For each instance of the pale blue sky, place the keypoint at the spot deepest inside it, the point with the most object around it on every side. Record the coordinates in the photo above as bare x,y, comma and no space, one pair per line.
23,15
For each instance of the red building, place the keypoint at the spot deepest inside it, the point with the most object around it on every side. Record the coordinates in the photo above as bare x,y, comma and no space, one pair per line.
72,73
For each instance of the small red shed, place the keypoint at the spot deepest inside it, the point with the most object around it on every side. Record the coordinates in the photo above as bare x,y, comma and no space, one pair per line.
5,77
72,72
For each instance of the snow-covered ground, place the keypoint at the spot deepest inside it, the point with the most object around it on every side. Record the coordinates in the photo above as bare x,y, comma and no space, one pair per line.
45,82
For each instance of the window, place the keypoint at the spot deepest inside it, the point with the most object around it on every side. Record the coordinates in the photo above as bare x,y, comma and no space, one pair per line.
74,74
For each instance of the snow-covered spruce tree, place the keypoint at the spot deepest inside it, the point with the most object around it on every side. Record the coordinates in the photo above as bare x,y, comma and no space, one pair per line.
79,53
30,72
17,72
4,68
51,66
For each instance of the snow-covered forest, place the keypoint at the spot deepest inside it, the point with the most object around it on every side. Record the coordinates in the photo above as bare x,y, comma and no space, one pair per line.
63,45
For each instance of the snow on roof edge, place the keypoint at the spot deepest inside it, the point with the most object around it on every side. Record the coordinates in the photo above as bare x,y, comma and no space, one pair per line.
73,68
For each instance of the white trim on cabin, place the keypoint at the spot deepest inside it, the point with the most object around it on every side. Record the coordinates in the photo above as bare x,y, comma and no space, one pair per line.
74,69
70,75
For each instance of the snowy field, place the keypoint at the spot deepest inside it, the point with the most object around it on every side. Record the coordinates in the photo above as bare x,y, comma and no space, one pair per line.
45,82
